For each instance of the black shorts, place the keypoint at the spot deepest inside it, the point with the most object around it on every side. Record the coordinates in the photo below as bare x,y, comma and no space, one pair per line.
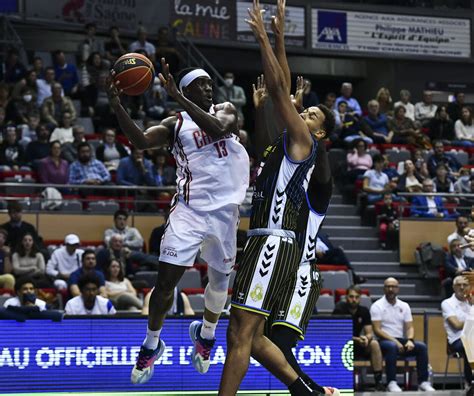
295,307
266,272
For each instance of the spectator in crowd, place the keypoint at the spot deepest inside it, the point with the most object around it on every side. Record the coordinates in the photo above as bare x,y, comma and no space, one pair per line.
181,304
327,253
389,223
428,205
358,161
114,48
393,325
69,151
455,107
30,81
155,101
114,249
94,66
457,261
425,110
45,86
56,105
365,344
466,203
132,238
442,181
53,169
64,261
90,44
464,128
110,151
12,70
27,260
119,289
17,110
66,74
96,103
29,132
353,106
25,290
376,182
143,44
441,127
4,95
310,98
39,148
462,229
439,156
420,163
7,280
375,125
63,133
330,100
156,235
16,228
456,310
163,174
88,301
87,170
404,130
404,101
166,49
38,66
463,184
384,99
232,93
411,180
12,155
135,170
349,125
88,261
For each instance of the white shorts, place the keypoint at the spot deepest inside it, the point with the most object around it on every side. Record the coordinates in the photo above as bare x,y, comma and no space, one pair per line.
213,232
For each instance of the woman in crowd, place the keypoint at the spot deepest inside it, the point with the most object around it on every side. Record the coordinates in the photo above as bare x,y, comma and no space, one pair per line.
53,169
442,181
358,160
110,152
410,180
28,261
119,289
385,101
405,131
464,128
420,164
441,127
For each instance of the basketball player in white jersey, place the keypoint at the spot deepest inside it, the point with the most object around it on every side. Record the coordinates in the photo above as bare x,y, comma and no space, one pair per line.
212,179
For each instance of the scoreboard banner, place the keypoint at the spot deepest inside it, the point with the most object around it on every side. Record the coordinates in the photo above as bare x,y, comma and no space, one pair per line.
295,28
381,34
97,355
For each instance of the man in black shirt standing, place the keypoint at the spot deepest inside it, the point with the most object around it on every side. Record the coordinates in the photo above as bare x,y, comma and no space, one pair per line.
363,335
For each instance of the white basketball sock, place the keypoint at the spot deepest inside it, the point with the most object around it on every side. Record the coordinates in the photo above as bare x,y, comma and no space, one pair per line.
152,339
208,329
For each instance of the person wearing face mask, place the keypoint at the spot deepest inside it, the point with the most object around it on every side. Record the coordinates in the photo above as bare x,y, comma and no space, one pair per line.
233,94
25,290
17,110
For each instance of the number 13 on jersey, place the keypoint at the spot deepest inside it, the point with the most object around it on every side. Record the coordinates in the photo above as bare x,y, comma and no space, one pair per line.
221,148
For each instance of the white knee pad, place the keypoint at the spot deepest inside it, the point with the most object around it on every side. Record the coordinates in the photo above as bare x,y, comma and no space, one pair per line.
215,295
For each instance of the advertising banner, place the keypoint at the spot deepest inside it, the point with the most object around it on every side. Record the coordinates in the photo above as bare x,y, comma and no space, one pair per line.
406,35
97,355
294,23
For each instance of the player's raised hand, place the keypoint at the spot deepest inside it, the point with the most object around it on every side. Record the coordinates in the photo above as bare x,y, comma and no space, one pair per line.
255,21
297,98
278,20
167,80
112,87
260,93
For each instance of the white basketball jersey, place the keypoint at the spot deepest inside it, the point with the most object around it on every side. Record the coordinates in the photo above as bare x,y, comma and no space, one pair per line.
210,173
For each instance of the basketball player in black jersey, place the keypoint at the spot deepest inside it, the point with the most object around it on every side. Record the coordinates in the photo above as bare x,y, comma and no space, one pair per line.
272,254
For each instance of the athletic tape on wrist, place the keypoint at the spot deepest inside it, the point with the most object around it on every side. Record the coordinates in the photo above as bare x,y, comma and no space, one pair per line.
191,76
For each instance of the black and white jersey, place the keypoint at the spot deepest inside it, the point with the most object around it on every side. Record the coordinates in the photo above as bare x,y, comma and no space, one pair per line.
280,189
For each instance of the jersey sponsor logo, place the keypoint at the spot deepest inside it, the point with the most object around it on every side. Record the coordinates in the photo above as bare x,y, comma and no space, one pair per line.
228,260
169,251
296,311
257,292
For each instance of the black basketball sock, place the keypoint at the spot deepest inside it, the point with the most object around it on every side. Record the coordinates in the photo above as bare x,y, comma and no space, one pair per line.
312,384
378,377
299,388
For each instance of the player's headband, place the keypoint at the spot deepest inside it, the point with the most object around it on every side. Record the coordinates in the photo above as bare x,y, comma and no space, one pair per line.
191,76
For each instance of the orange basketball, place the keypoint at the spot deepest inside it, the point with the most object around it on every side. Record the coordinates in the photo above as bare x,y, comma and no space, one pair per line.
135,73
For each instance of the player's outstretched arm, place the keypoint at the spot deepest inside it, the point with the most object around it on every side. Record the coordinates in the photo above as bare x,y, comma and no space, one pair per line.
223,122
278,28
300,141
155,136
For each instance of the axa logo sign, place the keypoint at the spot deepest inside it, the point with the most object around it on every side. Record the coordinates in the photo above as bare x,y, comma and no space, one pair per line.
332,27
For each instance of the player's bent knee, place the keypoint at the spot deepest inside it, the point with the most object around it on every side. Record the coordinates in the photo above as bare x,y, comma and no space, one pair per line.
215,299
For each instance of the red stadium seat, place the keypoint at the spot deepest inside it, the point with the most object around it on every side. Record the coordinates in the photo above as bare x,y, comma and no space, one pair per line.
332,267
